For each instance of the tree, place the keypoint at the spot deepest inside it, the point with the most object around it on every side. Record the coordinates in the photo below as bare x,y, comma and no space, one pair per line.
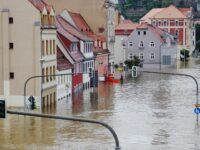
134,62
166,3
185,54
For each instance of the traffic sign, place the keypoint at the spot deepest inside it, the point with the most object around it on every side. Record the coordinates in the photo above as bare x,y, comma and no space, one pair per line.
197,110
197,105
2,109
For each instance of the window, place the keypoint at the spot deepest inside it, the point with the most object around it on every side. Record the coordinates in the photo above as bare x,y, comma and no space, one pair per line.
130,56
145,32
141,56
54,72
47,73
47,47
130,44
141,44
11,45
43,75
177,33
176,23
12,75
152,56
159,23
166,60
50,47
43,53
138,32
10,20
152,44
165,23
51,73
54,47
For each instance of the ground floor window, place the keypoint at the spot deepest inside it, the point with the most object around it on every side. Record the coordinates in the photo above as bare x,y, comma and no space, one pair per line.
166,60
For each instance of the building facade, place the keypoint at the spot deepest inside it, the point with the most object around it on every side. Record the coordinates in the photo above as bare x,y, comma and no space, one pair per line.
28,48
177,21
122,32
85,44
68,44
103,20
153,46
64,82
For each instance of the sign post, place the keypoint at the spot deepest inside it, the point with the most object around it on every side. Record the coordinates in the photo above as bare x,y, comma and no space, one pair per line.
2,109
134,71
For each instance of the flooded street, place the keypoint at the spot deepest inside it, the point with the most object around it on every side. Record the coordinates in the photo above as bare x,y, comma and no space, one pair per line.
152,112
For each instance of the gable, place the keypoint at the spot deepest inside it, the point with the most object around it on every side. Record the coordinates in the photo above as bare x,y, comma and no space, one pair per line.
65,15
170,12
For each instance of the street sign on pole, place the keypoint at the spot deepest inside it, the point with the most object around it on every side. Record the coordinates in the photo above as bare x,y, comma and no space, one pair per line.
2,109
197,110
134,71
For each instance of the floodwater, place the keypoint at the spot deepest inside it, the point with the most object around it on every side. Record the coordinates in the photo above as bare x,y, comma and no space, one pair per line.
152,112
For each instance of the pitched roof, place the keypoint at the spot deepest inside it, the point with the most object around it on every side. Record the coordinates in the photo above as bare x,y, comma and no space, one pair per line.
82,25
76,55
41,4
170,12
66,34
159,33
126,25
72,30
150,14
166,13
62,62
80,22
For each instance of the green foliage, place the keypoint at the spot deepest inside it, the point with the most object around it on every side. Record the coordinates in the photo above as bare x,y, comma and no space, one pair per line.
197,26
134,62
185,53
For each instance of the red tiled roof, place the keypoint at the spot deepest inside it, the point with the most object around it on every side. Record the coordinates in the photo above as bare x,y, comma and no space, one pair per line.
80,22
185,10
62,62
68,27
126,25
66,34
76,55
41,4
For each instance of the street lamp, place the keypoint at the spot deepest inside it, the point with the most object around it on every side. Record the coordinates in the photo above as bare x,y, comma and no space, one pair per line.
41,102
162,44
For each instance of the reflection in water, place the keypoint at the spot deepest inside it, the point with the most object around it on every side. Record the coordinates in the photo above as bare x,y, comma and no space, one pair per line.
152,112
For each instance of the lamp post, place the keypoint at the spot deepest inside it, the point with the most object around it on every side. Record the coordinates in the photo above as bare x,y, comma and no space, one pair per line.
161,56
42,79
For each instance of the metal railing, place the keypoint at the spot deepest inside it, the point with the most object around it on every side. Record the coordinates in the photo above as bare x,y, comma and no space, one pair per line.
117,146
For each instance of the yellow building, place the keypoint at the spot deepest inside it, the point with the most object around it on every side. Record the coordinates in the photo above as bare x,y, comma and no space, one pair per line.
27,48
